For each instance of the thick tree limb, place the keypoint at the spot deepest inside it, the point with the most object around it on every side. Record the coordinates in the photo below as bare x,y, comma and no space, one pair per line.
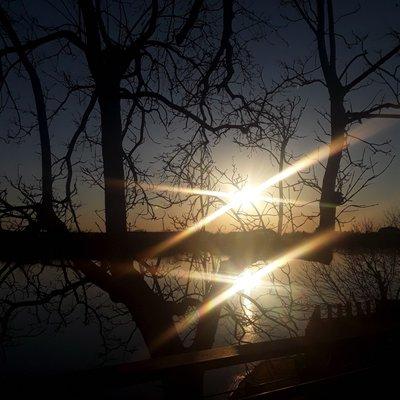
191,20
372,68
181,109
33,44
247,247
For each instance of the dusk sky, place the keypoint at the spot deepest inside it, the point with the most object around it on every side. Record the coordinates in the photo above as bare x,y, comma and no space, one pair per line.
282,41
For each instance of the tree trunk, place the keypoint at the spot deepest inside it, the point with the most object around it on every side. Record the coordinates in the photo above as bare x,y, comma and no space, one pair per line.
208,323
149,311
114,178
280,186
41,113
206,331
330,199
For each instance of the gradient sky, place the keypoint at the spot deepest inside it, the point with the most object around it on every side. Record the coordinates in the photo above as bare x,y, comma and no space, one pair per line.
293,41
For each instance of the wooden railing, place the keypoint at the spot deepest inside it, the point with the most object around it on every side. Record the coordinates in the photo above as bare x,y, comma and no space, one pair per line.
131,373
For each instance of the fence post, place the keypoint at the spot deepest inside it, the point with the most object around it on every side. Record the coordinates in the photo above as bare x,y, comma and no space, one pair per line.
329,308
349,312
368,307
359,309
316,315
339,310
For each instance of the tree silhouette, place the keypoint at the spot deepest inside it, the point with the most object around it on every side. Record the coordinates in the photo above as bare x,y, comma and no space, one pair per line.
141,65
371,276
158,59
336,68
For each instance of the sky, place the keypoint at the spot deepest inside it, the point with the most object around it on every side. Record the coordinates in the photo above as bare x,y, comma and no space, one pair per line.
294,40
291,41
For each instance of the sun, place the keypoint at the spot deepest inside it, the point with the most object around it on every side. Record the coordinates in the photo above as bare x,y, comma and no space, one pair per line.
247,280
246,197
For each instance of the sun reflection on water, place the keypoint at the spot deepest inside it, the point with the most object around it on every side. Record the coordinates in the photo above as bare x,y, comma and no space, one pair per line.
249,281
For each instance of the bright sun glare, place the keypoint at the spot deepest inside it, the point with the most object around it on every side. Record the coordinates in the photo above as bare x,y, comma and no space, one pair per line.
247,280
245,197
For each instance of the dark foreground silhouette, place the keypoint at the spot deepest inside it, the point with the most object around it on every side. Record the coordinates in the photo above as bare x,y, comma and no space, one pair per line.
242,246
348,351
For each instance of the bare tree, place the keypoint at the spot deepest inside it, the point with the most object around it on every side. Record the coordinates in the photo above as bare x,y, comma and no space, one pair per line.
268,312
167,62
322,22
373,275
279,125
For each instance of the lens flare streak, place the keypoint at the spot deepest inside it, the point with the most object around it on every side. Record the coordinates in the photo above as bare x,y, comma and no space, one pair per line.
245,195
243,284
248,282
305,162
